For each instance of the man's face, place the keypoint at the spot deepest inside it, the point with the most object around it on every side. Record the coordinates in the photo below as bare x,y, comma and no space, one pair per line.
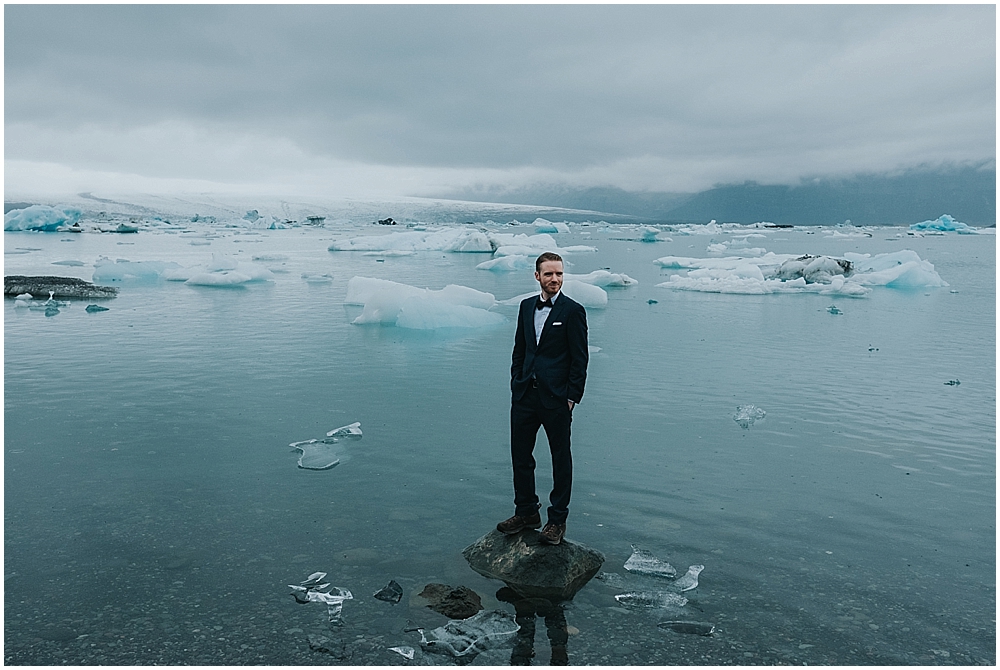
550,276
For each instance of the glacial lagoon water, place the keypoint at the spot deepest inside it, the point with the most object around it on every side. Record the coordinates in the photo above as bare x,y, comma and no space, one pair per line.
154,512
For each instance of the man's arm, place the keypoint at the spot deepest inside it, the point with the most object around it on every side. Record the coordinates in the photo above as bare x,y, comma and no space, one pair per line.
579,355
517,358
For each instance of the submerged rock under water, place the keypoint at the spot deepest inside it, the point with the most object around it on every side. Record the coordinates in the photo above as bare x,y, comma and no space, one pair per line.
470,636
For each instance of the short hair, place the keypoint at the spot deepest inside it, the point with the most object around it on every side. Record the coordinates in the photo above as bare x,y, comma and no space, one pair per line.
547,256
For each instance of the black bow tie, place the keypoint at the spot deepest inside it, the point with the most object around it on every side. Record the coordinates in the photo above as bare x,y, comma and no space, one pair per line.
543,303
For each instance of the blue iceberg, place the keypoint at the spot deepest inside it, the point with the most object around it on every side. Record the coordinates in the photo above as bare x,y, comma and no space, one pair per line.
40,217
945,223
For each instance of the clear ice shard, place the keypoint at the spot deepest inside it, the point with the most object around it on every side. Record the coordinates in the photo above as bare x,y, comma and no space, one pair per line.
391,592
651,599
690,627
352,431
644,563
405,652
612,579
689,580
320,454
316,455
309,592
470,636
746,415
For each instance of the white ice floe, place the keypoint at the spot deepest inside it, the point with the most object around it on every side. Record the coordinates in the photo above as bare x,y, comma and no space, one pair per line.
603,278
107,271
436,239
392,303
508,263
852,275
221,271
40,217
543,226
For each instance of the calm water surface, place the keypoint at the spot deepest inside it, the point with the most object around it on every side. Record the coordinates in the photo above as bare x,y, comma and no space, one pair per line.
154,513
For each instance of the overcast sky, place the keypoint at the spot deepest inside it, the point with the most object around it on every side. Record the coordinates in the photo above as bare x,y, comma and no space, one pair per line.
415,100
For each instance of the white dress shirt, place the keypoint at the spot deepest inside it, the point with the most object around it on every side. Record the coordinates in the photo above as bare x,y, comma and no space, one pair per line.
540,316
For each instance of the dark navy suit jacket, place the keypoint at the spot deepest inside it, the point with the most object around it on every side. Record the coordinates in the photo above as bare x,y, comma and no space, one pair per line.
559,360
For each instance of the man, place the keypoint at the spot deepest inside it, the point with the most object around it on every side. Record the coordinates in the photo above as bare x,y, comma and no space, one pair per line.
547,374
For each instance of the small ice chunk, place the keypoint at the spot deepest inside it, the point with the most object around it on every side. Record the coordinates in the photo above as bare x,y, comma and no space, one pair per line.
746,415
316,455
511,263
317,278
95,308
603,278
689,580
391,592
351,430
689,627
469,637
313,579
651,599
612,579
644,563
405,652
70,263
952,382
833,309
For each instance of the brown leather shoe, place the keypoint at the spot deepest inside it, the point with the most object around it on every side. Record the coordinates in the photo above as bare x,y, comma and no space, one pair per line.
553,533
516,524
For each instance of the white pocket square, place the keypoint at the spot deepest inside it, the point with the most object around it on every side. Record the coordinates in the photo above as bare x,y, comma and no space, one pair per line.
557,323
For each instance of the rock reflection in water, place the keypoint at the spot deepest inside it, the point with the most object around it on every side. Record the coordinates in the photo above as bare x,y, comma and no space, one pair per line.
528,609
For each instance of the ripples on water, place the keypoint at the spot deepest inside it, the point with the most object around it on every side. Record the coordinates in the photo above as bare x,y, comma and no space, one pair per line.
152,505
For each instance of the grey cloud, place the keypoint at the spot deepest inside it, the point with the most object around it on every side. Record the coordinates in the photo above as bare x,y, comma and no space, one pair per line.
562,88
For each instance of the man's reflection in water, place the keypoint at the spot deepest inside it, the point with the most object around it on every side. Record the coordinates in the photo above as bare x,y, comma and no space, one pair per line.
526,610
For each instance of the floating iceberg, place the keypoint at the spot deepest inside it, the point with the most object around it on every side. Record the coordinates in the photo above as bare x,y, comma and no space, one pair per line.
222,271
391,303
746,415
470,636
543,226
508,263
439,239
41,217
107,271
644,563
603,278
852,275
651,599
945,223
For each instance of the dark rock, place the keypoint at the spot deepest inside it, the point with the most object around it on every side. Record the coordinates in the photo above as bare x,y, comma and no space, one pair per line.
60,287
533,569
391,592
386,222
96,308
455,603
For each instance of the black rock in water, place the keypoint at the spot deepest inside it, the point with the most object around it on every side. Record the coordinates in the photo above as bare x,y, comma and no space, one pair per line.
455,603
392,592
533,569
60,287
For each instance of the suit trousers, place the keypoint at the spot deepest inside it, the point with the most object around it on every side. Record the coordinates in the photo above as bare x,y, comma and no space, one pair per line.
526,416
